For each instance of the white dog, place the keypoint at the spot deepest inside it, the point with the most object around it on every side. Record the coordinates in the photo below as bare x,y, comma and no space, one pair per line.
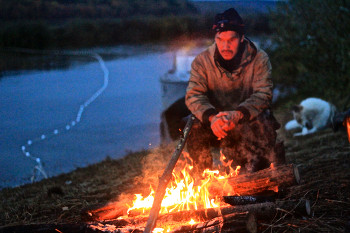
311,115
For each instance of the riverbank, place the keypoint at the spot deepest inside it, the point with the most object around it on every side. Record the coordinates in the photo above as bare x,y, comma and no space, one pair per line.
323,161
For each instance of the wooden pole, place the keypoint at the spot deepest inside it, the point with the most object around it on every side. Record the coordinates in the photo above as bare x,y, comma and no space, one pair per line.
165,178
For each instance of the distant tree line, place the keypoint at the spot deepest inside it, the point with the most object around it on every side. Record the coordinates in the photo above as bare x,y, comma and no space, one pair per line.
313,48
45,24
83,33
84,23
90,9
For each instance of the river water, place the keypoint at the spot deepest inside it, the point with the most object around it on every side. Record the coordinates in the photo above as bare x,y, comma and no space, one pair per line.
124,117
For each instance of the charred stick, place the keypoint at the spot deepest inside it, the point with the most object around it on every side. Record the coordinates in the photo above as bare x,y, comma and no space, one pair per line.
166,177
245,200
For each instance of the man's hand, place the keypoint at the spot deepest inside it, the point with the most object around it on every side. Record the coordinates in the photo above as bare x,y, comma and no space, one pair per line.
224,121
230,118
216,124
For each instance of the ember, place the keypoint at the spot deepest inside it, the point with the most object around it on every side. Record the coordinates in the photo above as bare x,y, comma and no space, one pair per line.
192,222
347,124
156,230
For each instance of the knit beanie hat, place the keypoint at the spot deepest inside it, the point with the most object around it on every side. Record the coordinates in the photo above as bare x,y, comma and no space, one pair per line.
228,21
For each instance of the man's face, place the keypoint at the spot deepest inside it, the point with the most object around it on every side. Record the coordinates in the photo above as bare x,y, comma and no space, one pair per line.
228,43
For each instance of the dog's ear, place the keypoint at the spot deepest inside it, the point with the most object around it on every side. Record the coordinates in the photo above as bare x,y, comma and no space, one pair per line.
297,108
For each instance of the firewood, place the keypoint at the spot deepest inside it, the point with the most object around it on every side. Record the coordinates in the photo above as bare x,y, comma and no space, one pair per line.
244,200
240,218
270,209
248,184
252,223
262,210
107,211
185,228
203,214
212,229
267,179
225,219
240,222
137,212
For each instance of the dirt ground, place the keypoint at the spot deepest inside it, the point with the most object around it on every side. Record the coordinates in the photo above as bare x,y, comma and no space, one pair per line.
323,160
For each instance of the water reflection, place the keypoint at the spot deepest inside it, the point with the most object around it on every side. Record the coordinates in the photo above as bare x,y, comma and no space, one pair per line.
16,60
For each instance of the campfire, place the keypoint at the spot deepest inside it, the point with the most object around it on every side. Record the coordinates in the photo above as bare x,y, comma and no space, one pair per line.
186,193
218,201
215,202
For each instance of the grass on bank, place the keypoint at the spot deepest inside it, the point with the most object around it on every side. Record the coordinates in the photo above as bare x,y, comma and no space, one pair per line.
44,201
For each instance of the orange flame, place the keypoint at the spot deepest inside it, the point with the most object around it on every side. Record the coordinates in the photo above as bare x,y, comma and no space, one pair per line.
348,127
186,193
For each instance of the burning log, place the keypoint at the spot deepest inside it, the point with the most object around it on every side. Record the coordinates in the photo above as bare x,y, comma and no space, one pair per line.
267,179
238,222
138,212
103,211
242,218
246,221
242,222
261,211
247,184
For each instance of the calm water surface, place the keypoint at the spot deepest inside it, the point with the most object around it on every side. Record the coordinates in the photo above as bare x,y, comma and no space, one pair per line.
124,117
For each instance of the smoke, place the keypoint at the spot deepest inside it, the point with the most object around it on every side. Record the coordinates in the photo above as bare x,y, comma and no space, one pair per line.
153,165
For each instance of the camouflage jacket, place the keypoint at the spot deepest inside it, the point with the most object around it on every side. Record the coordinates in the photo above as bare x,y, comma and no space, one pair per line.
213,89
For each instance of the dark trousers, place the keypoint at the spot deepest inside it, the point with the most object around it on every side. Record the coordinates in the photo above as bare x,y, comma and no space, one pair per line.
251,145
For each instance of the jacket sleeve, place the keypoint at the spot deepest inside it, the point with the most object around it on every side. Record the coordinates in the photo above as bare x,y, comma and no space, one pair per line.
262,85
197,99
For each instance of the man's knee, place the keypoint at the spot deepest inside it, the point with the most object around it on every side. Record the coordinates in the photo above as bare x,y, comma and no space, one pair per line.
267,118
252,145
